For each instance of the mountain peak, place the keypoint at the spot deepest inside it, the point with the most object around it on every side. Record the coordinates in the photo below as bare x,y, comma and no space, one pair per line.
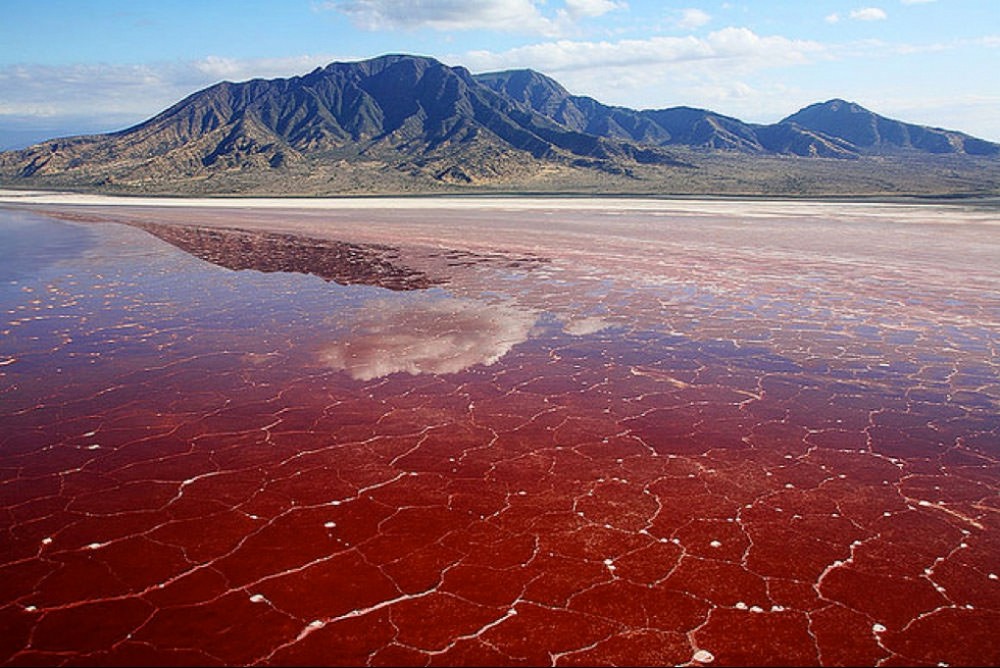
835,105
383,61
526,86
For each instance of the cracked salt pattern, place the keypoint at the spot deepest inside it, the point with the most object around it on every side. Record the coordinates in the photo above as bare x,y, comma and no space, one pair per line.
686,438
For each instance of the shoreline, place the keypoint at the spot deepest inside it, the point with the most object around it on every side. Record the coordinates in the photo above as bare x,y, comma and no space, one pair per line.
8,194
947,212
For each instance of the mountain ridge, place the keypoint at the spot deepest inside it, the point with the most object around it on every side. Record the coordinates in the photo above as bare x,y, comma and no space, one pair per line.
400,122
819,129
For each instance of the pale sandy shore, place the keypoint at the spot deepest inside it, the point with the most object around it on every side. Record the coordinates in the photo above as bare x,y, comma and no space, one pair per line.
929,212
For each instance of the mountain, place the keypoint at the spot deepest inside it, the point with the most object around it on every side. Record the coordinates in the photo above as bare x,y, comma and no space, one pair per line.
583,114
413,114
402,123
872,134
833,129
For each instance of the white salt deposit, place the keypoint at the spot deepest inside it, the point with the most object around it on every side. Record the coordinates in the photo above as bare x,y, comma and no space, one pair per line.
703,656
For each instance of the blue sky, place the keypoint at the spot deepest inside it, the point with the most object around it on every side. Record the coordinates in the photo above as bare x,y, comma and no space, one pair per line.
73,66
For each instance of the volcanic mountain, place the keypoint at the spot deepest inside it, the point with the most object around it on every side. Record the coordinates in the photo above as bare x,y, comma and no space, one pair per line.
402,123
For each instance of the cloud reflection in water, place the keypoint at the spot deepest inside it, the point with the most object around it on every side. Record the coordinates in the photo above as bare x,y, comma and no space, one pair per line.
442,336
584,326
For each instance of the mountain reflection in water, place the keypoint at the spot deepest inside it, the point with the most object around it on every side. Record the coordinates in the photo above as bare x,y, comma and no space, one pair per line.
338,261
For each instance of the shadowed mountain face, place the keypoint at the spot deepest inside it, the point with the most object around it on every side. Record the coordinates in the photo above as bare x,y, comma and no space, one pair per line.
412,122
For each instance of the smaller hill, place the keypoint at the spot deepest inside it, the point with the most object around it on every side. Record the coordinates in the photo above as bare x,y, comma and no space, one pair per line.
872,134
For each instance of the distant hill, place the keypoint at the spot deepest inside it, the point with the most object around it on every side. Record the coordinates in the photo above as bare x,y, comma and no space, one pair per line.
872,134
401,123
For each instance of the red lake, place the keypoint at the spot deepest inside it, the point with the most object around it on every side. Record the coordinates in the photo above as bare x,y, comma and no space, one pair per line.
499,432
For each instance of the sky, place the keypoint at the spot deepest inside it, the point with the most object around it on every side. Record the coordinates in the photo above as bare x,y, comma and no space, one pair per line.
81,66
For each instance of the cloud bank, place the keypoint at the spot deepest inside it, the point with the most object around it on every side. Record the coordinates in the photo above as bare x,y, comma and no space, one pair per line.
730,48
516,16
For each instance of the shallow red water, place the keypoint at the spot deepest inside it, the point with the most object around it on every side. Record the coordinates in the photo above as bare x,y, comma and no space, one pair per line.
701,440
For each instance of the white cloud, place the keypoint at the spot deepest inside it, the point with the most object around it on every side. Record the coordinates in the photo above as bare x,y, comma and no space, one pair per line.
591,8
868,14
518,16
510,15
863,14
689,19
443,336
730,48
